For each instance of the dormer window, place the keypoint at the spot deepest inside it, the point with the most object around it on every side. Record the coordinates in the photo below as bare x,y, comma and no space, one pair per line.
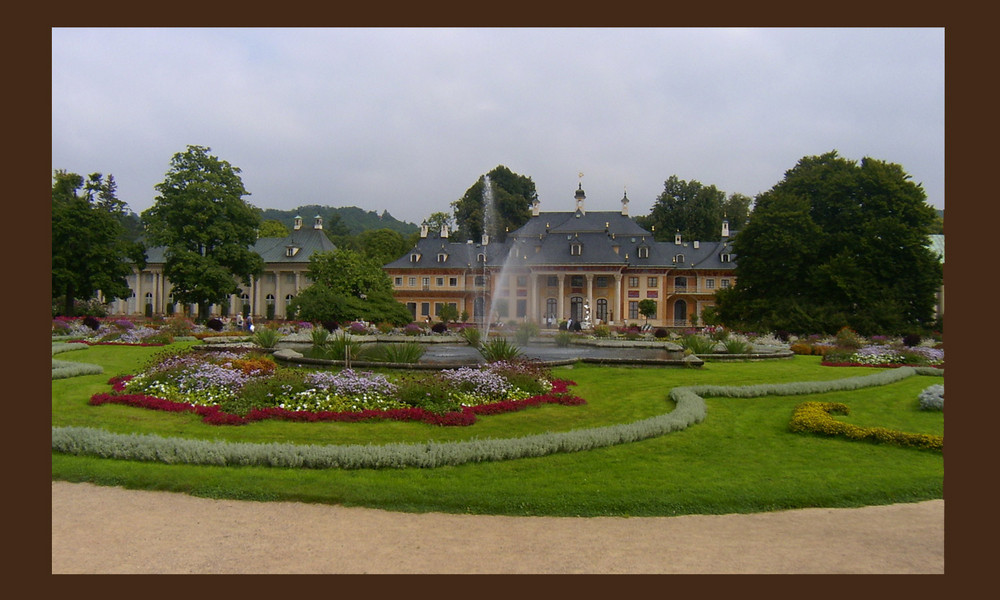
291,251
643,252
415,257
679,259
726,257
481,257
442,257
576,249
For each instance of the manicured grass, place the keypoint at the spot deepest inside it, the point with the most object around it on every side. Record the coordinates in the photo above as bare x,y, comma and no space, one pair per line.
742,458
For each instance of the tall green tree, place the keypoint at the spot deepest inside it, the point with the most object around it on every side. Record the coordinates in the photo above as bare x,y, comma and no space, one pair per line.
512,196
207,227
90,246
836,243
272,228
348,286
382,245
694,210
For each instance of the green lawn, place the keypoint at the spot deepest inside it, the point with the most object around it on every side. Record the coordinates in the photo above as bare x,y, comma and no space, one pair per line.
742,458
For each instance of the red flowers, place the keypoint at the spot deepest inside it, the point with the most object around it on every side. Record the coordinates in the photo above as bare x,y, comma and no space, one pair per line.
213,415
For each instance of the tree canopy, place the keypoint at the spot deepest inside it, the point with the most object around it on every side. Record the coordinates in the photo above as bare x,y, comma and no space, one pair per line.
836,243
348,286
207,227
694,210
513,196
91,251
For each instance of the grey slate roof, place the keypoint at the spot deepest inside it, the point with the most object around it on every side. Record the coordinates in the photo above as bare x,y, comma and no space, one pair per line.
272,250
546,239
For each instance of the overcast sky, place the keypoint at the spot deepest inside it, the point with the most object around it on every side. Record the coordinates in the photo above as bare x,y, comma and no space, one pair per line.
406,120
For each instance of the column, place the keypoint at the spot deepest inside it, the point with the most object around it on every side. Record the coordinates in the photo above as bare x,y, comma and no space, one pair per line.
619,304
279,300
590,297
532,297
562,308
255,296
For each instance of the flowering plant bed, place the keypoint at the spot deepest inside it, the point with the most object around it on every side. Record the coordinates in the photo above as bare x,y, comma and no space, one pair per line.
235,388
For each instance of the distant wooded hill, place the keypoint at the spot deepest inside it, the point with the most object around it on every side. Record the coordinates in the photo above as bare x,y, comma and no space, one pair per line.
346,220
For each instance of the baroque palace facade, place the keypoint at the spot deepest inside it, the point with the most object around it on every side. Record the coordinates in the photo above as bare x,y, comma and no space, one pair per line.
286,262
591,267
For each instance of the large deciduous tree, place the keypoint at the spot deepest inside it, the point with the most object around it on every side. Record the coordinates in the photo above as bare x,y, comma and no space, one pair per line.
90,246
207,227
512,196
836,243
694,210
347,286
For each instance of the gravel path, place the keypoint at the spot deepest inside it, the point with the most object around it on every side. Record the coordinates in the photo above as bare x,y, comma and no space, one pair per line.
112,530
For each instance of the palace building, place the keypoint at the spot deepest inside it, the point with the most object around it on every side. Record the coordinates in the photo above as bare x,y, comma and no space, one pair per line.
286,262
589,266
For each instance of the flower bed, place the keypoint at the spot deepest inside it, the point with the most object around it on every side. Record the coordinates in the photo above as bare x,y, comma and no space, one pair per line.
235,388
816,417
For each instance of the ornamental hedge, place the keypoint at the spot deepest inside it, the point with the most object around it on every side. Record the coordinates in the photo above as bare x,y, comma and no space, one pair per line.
690,409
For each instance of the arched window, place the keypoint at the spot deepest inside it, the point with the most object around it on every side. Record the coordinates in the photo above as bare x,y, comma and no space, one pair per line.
288,299
269,300
602,310
551,306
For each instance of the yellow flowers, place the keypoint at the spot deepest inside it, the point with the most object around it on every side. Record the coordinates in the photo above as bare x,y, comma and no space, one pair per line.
815,417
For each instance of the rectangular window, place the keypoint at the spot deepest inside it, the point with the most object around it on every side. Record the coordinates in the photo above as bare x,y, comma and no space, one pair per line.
651,282
710,284
522,281
399,282
725,283
522,308
425,309
633,309
413,282
576,281
601,281
480,281
453,281
553,281
437,307
426,282
633,282
439,281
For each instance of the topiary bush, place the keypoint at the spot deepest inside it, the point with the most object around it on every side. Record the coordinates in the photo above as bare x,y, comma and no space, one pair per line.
932,398
439,327
215,324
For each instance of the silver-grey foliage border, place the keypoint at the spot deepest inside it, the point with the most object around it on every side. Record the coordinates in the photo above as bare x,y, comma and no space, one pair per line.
690,409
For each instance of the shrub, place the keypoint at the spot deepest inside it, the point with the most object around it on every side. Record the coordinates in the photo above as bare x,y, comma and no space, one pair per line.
698,344
911,339
801,348
409,352
932,398
413,329
320,336
735,345
563,338
344,347
499,349
439,327
265,337
215,324
815,417
660,333
92,322
526,331
330,325
384,327
472,336
600,331
848,338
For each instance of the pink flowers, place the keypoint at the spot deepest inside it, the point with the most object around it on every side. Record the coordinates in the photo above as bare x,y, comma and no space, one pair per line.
213,415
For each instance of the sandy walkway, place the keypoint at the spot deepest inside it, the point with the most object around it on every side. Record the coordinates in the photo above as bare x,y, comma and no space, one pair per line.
112,530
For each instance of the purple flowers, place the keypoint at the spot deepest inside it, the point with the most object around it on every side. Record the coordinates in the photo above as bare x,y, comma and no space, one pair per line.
350,383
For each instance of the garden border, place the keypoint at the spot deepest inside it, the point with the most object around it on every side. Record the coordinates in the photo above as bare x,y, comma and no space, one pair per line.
690,409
